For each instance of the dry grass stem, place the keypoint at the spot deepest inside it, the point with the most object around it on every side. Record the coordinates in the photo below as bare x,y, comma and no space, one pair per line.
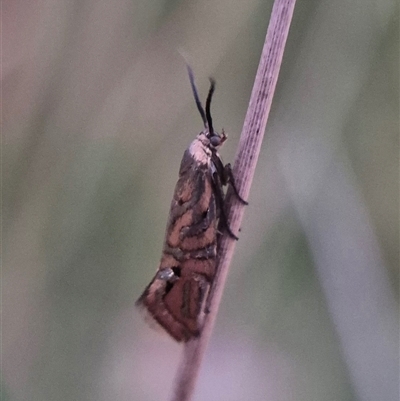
244,167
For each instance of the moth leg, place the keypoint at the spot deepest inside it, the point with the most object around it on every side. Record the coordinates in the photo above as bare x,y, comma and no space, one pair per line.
228,175
219,198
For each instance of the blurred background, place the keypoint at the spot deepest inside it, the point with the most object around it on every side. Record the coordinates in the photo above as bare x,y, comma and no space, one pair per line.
97,112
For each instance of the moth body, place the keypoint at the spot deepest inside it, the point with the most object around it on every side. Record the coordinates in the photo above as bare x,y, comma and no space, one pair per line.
176,297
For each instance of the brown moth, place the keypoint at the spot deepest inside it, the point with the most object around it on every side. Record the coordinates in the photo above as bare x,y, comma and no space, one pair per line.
176,297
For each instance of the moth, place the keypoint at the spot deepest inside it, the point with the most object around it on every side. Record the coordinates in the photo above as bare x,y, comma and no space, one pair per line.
176,297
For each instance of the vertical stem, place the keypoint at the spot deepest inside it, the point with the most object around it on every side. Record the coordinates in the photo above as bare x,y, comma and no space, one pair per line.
244,167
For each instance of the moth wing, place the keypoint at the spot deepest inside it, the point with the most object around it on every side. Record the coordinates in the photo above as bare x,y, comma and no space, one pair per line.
178,304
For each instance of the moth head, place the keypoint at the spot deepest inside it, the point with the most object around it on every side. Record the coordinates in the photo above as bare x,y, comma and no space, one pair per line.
216,140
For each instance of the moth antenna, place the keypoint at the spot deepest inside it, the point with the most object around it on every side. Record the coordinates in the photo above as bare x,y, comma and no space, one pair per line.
196,95
208,104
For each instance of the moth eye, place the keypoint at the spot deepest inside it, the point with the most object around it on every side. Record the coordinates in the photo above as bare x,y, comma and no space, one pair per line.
204,214
215,140
177,271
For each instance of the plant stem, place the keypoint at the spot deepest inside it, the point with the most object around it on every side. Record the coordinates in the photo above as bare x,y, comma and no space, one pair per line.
243,170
